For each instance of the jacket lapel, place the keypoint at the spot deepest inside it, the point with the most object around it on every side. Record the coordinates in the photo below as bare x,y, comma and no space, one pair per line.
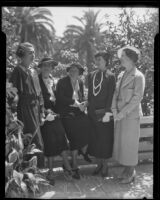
129,78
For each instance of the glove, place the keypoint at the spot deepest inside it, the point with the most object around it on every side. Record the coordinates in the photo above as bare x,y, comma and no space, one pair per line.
50,117
106,117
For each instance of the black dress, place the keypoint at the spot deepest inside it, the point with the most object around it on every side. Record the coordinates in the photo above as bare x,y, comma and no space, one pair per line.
76,123
53,133
101,141
28,107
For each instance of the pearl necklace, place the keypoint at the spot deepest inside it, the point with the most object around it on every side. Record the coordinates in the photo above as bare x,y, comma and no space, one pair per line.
98,86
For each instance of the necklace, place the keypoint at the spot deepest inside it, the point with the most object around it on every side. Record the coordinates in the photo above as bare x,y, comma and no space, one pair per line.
98,86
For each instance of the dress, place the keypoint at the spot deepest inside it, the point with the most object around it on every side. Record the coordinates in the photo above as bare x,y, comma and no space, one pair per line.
76,123
127,101
101,140
28,107
53,133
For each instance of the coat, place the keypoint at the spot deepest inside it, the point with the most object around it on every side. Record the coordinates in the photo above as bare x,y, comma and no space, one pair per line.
131,94
127,100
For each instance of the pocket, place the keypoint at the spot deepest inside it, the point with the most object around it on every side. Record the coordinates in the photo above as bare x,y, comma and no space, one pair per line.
129,94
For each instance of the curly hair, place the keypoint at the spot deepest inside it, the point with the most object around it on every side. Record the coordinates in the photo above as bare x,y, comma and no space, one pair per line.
105,55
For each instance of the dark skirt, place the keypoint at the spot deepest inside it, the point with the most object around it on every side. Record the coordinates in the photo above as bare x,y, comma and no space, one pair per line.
101,140
77,130
54,138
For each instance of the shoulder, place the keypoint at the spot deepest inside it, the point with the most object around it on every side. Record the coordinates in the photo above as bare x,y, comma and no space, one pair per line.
91,74
63,80
139,73
139,77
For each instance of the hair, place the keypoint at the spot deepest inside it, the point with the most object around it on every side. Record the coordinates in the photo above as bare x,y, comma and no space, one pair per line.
22,48
131,54
105,55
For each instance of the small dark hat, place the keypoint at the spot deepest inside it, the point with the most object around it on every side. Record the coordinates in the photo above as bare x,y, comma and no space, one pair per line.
47,60
79,67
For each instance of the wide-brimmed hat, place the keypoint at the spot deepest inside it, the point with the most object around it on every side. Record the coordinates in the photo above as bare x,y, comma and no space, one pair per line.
78,66
47,60
137,51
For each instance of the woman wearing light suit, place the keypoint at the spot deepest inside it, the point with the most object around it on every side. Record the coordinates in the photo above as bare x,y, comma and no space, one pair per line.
126,108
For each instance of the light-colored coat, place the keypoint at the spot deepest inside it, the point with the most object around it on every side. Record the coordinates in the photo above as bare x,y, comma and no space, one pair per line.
127,130
132,90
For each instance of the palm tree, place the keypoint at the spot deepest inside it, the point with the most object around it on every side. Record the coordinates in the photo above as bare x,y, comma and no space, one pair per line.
36,26
86,36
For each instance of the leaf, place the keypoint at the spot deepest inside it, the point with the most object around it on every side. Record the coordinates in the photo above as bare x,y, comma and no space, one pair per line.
8,169
18,176
34,151
33,161
13,156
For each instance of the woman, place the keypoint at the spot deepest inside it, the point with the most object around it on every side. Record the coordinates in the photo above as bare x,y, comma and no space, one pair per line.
71,106
29,96
101,86
127,110
53,133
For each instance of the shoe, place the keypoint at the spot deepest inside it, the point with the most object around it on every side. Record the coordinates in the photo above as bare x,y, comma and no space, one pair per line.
129,179
85,156
97,170
76,174
50,177
104,174
68,173
123,174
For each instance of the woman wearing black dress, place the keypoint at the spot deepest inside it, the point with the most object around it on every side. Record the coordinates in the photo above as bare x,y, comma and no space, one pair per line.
28,106
71,105
101,86
53,133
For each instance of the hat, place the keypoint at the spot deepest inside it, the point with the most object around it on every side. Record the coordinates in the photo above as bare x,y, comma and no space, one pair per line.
78,66
47,60
119,53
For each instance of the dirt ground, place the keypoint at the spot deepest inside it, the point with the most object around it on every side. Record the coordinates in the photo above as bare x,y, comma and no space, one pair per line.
97,187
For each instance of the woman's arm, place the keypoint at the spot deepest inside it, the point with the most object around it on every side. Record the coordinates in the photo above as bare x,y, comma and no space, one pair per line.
110,92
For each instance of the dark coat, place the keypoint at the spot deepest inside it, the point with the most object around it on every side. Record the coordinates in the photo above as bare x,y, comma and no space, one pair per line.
64,92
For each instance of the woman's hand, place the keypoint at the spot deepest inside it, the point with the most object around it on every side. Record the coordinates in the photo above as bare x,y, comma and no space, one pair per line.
119,116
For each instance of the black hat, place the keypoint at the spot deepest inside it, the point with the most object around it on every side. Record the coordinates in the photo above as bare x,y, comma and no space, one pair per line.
47,60
79,67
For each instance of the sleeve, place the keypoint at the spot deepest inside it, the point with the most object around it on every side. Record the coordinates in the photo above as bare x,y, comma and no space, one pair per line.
113,106
137,95
111,90
15,79
61,87
89,88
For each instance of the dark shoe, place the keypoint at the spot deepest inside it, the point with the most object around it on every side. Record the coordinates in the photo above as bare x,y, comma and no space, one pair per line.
85,156
104,174
76,174
50,177
97,170
67,173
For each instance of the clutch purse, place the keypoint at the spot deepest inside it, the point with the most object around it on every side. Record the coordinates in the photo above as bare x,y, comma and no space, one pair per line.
100,114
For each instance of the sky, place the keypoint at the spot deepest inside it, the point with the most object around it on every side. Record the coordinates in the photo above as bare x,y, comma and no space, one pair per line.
63,16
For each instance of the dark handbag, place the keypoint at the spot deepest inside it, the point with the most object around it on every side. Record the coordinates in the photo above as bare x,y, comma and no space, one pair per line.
100,114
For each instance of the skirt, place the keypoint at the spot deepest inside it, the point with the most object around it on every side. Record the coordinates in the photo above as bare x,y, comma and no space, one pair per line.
77,130
54,138
126,141
101,140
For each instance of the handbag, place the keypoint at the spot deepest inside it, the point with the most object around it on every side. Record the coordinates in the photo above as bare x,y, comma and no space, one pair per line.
100,114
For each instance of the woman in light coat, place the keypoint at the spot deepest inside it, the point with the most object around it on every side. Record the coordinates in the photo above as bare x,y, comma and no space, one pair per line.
126,108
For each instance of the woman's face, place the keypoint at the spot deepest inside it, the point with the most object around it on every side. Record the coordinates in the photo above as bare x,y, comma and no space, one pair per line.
46,69
100,62
28,57
74,73
125,60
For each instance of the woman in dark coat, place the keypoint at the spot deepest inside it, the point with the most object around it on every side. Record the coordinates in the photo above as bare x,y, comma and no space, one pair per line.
71,105
53,133
28,106
101,86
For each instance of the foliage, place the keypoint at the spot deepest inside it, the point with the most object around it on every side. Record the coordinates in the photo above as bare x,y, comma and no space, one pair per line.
85,37
22,177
